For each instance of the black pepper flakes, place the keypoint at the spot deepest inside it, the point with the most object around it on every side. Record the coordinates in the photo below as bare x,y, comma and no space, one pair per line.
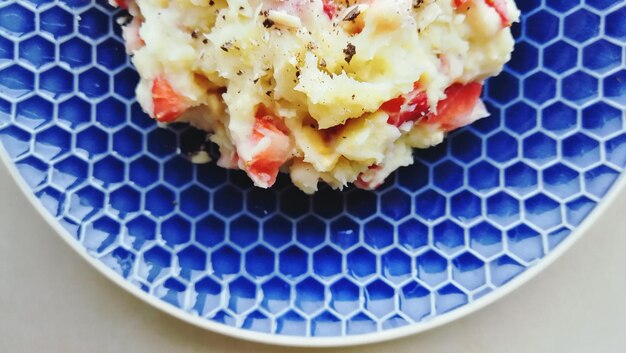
226,46
417,3
268,23
349,51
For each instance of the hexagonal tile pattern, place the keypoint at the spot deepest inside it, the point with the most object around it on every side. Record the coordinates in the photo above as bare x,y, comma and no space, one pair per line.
467,218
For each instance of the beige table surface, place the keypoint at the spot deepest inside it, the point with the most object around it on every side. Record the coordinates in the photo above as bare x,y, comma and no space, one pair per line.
51,301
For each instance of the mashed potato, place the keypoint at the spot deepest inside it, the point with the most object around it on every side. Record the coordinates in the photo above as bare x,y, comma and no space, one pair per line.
337,91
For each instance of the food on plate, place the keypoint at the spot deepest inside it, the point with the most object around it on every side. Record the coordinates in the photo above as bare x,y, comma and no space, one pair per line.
333,91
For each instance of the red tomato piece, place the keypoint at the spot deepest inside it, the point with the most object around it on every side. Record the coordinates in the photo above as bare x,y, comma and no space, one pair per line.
168,104
329,8
121,3
410,108
459,102
265,165
459,3
393,105
501,9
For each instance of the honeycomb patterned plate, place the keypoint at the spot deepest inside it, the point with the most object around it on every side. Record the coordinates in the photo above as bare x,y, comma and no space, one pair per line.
469,221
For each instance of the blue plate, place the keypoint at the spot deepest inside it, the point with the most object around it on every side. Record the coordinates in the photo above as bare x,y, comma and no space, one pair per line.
470,220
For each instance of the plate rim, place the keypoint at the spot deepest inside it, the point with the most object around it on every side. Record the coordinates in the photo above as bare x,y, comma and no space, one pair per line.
318,342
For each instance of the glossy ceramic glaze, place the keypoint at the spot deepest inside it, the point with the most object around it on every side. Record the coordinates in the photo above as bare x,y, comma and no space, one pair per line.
450,232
